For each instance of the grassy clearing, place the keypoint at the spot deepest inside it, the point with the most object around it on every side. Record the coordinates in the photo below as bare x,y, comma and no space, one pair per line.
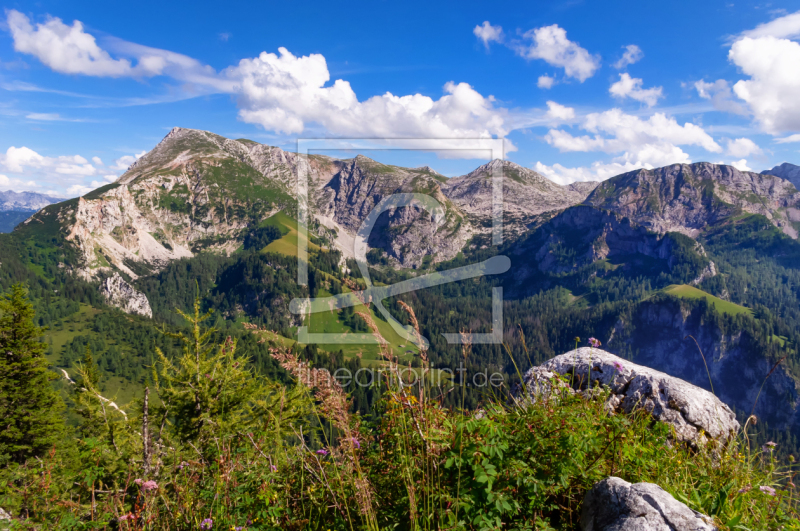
287,245
329,323
685,291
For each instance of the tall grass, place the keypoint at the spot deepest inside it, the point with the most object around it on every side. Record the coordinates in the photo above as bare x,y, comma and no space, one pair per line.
297,458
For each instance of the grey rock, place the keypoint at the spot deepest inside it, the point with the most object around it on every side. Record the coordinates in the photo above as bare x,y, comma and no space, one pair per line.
526,195
616,505
687,198
790,172
122,295
25,201
687,408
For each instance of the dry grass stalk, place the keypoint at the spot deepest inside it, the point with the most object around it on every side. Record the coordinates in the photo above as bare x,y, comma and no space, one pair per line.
335,406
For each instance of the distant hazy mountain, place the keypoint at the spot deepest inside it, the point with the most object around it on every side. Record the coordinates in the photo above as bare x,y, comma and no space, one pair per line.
790,172
16,207
25,201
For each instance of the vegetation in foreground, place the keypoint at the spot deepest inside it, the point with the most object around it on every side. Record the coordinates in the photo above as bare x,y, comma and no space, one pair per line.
216,446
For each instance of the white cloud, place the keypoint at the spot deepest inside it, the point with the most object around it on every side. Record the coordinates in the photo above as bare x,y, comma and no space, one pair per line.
77,190
632,55
285,93
4,180
771,92
70,50
788,139
545,82
631,87
488,33
65,49
638,143
741,165
557,113
550,44
786,27
742,147
36,171
123,163
598,171
721,96
631,133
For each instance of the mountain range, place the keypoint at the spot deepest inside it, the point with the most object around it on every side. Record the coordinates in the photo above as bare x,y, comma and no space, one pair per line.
641,261
18,206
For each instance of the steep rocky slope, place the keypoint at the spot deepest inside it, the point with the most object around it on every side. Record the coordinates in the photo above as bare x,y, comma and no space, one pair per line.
526,194
790,172
689,197
196,191
659,334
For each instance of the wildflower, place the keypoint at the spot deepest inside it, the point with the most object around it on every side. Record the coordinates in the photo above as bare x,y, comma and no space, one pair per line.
207,524
594,342
767,490
149,485
125,517
273,468
322,452
137,481
744,489
356,443
618,366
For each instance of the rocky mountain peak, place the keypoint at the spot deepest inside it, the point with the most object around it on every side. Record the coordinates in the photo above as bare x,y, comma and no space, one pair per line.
787,171
688,197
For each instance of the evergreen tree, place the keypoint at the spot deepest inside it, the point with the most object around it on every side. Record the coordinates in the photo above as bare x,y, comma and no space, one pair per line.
30,409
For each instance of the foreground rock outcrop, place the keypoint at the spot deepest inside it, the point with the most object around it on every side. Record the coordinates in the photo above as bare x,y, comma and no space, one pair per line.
694,413
616,505
122,295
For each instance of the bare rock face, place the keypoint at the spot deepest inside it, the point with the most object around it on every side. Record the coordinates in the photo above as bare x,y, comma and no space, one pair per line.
690,410
616,505
122,295
687,198
526,194
790,172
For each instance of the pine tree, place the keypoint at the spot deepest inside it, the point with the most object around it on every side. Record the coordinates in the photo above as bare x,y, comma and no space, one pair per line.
30,409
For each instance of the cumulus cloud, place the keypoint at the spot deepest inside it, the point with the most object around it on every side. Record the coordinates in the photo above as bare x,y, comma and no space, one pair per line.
545,82
70,50
285,93
741,165
598,171
557,113
788,139
281,92
771,92
633,54
65,49
631,87
786,27
70,174
721,96
488,33
637,142
123,163
742,147
550,44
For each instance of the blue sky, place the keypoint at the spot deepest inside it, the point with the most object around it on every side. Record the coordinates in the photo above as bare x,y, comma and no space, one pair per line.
581,90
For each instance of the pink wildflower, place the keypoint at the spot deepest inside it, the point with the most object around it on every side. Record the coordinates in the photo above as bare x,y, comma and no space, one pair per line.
767,490
619,366
594,342
322,452
149,485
